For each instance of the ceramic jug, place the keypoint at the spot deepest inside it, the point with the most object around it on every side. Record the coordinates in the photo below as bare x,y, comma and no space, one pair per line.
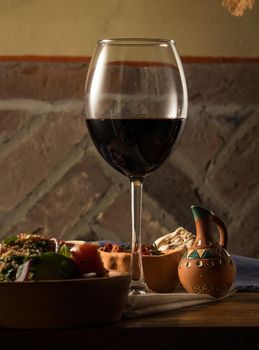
206,267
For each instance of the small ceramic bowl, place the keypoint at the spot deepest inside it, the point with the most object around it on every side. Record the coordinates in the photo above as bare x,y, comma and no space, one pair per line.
160,271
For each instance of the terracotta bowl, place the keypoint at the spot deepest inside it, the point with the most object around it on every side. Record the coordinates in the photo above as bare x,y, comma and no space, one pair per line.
160,271
63,303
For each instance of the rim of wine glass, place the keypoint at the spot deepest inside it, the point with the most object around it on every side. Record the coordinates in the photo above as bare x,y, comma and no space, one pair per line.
136,41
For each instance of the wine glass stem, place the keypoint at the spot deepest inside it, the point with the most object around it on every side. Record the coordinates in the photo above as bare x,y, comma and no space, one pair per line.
138,285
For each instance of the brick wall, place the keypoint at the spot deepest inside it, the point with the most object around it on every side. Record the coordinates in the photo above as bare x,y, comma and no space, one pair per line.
51,176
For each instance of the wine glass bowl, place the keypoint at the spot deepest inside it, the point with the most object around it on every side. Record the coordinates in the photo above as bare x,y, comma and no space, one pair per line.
136,108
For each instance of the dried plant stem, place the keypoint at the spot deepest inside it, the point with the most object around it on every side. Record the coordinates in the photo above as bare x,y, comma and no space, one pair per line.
237,7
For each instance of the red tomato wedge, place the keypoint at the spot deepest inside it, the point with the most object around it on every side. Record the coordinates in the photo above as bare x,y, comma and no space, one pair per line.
87,258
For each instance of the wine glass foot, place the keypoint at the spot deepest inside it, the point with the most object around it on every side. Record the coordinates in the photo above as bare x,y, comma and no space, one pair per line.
138,288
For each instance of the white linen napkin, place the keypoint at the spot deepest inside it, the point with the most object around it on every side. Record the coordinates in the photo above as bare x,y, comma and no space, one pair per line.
151,303
247,279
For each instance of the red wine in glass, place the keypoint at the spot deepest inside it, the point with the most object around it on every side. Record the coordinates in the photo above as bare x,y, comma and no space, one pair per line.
135,147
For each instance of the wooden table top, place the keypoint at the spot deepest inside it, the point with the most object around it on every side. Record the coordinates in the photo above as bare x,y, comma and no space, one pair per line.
233,322
239,310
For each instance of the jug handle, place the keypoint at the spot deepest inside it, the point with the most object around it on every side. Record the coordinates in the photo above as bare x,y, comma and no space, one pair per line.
223,233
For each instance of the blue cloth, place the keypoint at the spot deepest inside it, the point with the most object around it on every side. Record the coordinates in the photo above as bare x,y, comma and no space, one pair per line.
105,241
247,278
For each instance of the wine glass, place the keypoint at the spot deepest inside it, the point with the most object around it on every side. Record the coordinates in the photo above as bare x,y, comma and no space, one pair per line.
135,106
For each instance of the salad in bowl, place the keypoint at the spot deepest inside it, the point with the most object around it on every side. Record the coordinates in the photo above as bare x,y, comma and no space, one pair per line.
47,282
34,257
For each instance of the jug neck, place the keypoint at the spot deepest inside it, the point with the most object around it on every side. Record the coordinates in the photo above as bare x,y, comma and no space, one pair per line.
203,223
